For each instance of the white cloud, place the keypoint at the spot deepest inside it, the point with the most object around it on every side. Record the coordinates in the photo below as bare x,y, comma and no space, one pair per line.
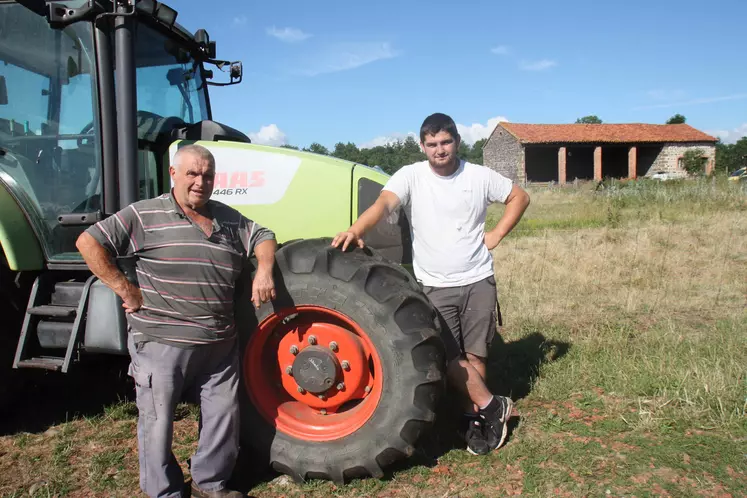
701,101
540,65
269,135
661,94
288,35
470,134
477,131
730,136
346,56
239,21
388,139
501,50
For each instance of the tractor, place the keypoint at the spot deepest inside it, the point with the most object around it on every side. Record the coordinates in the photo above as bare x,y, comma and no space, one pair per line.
96,96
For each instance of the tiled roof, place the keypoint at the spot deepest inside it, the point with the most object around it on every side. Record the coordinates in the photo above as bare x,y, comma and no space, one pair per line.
603,133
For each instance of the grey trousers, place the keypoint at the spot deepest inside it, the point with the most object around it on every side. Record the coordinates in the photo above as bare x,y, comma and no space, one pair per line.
161,373
468,316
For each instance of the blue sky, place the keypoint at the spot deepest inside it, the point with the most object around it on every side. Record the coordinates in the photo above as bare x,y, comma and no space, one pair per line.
367,72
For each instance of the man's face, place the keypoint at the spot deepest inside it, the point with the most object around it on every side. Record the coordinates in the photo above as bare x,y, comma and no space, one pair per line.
193,180
441,150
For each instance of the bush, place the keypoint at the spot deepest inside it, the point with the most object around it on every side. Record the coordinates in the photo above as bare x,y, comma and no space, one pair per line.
694,161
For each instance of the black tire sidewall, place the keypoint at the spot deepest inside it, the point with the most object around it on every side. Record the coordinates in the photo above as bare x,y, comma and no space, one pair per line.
383,431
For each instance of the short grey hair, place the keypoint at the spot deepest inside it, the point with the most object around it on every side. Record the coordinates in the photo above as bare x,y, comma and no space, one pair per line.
196,150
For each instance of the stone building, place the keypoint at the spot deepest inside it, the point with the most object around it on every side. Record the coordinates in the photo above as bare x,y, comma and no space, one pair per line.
565,152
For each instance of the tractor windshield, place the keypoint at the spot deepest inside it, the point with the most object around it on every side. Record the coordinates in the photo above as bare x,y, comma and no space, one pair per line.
170,93
169,80
49,156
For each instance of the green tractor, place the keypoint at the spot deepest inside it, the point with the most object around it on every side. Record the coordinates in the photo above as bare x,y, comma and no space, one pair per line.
95,97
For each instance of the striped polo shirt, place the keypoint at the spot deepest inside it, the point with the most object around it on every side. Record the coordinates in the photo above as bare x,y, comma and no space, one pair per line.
187,278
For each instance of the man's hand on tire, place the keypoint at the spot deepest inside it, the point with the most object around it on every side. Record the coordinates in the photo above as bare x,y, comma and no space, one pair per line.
263,288
347,238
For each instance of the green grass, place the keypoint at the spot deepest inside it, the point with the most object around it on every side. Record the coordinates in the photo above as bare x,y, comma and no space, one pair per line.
625,203
104,468
624,347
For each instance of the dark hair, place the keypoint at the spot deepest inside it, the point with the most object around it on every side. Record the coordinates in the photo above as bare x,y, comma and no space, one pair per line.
438,122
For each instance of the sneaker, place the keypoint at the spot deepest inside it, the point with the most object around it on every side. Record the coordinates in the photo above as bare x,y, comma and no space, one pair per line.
475,438
221,493
496,425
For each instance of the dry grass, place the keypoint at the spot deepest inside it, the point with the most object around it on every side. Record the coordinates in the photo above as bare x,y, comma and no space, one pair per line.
696,268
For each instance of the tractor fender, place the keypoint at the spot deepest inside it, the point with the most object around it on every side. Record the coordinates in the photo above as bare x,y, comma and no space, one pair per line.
17,238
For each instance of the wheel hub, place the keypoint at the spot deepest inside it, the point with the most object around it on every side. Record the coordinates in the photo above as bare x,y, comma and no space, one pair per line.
313,373
316,369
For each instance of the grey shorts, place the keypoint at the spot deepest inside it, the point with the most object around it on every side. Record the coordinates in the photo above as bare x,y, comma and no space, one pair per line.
467,315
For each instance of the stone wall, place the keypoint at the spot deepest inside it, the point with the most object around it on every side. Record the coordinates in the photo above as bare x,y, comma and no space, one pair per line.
668,158
504,154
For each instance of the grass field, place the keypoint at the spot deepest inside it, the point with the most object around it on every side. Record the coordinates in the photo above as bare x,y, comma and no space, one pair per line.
624,346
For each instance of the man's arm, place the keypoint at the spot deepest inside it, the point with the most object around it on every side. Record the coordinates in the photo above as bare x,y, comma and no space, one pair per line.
99,261
263,285
516,203
386,203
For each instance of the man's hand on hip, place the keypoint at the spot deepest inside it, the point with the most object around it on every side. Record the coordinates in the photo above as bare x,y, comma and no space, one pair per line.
347,238
132,298
492,240
263,287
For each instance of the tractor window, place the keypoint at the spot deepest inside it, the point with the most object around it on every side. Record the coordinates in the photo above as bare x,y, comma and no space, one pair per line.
48,153
148,174
170,90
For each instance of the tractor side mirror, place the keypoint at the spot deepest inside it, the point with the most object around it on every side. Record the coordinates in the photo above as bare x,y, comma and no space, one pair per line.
3,91
235,71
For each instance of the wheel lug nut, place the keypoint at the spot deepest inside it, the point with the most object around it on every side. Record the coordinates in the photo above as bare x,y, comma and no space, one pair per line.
289,370
367,389
294,350
345,365
333,346
340,386
301,390
312,340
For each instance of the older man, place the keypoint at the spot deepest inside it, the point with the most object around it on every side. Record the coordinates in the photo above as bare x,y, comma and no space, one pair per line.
189,252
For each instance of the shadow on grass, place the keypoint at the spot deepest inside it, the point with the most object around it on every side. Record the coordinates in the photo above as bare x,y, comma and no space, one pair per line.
43,399
514,366
251,470
512,370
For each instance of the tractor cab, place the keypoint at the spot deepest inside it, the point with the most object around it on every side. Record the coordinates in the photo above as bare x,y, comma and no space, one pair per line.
92,93
59,110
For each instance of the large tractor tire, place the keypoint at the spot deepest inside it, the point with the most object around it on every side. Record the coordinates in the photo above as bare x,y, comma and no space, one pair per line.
341,373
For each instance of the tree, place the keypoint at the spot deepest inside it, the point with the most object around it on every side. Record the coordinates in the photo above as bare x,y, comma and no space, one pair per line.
693,161
677,119
730,157
589,120
472,154
317,148
476,156
349,152
289,146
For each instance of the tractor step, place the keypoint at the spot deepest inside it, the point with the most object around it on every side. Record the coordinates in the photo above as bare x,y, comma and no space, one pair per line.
68,293
53,363
53,311
54,321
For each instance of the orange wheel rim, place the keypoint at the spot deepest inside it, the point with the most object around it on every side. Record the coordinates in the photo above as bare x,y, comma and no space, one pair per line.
313,373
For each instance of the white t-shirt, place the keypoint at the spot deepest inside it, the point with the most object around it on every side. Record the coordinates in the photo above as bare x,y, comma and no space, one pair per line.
447,217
